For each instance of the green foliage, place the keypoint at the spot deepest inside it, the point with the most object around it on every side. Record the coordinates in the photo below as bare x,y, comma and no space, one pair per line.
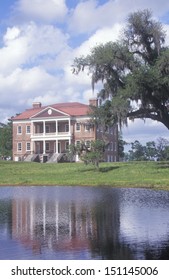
162,149
102,116
135,68
121,144
6,140
158,150
93,154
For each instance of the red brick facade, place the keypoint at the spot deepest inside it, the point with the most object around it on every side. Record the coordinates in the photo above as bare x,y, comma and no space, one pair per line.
51,129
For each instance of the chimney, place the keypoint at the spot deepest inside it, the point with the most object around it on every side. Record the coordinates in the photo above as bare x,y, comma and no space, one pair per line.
93,102
36,105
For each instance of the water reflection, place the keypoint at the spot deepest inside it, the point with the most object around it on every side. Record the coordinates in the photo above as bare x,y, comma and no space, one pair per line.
83,223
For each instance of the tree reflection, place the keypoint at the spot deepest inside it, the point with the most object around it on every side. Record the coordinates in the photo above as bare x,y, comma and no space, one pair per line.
76,228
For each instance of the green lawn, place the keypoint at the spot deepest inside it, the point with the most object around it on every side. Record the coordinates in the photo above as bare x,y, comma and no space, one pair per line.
131,174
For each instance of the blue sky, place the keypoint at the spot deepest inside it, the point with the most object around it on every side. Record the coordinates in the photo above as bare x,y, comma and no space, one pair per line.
39,40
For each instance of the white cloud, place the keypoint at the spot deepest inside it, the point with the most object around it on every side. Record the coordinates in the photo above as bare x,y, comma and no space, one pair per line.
89,16
101,36
144,131
30,44
44,10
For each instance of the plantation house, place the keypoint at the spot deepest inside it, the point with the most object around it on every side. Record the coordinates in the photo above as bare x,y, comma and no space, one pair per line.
44,133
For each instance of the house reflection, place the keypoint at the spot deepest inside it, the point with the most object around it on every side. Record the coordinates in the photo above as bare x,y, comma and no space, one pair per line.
67,226
52,225
85,223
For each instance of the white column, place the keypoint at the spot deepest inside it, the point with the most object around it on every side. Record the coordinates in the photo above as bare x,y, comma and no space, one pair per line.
44,147
43,127
69,140
32,147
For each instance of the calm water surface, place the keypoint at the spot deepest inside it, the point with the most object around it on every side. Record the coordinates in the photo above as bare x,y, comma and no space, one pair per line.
83,223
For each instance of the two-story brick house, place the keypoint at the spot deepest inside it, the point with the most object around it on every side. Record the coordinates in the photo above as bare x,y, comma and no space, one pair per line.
45,132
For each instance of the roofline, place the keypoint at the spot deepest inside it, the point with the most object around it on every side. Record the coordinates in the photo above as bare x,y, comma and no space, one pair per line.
46,108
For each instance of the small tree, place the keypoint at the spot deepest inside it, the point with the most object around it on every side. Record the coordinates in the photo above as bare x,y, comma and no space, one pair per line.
93,154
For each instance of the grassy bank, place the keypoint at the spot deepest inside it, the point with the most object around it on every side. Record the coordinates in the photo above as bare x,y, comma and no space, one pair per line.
131,174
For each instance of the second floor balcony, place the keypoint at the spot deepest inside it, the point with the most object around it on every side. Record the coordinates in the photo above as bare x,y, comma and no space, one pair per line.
52,128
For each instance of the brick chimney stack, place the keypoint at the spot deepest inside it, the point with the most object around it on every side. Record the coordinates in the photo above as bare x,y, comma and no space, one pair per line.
36,105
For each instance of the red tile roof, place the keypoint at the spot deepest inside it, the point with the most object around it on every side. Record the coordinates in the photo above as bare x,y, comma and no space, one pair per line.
70,108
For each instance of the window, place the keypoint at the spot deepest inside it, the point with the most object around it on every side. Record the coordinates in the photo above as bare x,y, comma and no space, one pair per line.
88,144
47,128
115,147
47,146
19,129
19,147
108,147
28,129
66,128
28,146
87,127
77,126
77,143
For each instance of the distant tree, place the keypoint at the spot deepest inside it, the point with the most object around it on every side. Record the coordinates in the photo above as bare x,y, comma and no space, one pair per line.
135,68
151,150
137,151
162,149
6,140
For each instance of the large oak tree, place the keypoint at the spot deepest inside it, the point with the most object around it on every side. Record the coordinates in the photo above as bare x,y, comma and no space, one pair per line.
134,71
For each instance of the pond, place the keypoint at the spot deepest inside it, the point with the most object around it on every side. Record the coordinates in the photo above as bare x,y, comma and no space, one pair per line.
83,223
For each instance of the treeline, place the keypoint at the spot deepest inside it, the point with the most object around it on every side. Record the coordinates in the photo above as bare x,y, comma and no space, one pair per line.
153,150
5,141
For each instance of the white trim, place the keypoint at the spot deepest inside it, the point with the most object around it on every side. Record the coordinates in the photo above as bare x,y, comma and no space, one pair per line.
47,119
46,109
21,121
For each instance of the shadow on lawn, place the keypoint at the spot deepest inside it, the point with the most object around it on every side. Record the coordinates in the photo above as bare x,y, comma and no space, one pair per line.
100,169
163,165
107,169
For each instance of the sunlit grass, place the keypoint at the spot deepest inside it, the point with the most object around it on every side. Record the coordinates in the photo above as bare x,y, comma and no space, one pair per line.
131,174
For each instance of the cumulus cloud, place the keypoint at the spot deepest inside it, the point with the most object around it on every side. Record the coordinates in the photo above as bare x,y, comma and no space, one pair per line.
89,16
40,43
47,11
30,44
101,36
